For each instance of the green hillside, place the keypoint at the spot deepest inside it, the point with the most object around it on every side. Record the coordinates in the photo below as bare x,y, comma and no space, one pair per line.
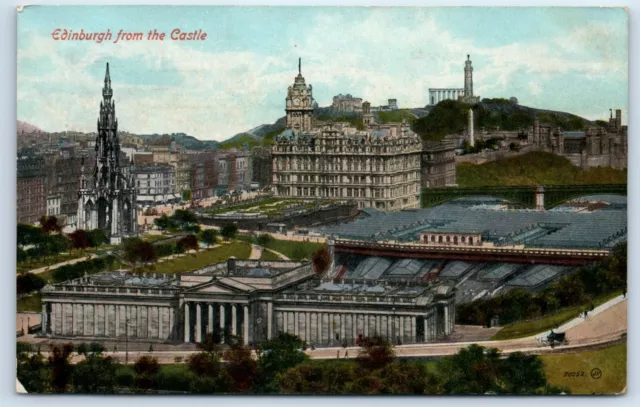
267,140
536,168
395,116
238,142
451,117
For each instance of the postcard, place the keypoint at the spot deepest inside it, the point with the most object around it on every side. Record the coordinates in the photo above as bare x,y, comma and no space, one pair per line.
313,200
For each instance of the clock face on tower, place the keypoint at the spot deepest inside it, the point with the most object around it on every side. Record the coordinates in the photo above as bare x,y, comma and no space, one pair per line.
296,102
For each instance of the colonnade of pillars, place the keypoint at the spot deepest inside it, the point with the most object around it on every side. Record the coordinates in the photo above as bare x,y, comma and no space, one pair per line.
337,329
325,328
438,95
107,320
222,318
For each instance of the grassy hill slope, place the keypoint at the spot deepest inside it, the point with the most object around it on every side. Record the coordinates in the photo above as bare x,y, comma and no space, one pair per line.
451,117
536,168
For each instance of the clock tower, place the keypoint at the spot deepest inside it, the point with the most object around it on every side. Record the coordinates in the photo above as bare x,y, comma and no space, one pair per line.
299,104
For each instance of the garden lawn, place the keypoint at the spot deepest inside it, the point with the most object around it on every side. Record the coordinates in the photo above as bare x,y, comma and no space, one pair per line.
31,303
155,238
204,257
268,256
528,328
294,250
611,361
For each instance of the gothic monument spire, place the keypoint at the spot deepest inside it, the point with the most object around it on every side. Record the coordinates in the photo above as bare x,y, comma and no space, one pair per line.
107,200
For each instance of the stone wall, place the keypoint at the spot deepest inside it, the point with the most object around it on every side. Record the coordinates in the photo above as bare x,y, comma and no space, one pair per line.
481,158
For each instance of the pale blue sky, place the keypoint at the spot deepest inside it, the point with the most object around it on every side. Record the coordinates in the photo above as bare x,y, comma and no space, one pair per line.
571,59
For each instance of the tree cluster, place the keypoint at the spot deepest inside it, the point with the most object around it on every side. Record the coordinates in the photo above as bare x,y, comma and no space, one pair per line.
82,239
71,271
137,251
46,241
577,288
181,219
281,366
35,243
29,282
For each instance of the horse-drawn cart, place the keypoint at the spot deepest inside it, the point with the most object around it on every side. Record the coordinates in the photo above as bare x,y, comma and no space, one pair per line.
554,338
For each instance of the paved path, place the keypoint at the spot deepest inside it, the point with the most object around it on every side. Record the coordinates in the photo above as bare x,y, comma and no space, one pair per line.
27,319
55,266
586,333
579,320
256,252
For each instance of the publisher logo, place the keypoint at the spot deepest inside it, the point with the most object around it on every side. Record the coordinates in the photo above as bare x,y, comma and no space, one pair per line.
596,373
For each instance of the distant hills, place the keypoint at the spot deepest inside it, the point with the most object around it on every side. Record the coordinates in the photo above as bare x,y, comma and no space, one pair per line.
430,122
185,140
24,127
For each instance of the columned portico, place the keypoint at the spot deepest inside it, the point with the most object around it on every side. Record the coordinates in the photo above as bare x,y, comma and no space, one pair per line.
245,324
187,328
210,319
326,318
222,321
198,335
234,320
269,320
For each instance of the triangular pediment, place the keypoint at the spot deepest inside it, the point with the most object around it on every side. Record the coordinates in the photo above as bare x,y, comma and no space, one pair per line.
217,286
214,289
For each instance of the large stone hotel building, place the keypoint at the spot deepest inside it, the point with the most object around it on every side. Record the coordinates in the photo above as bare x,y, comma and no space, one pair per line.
377,166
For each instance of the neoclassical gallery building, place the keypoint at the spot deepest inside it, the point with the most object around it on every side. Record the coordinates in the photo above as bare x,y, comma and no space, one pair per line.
253,299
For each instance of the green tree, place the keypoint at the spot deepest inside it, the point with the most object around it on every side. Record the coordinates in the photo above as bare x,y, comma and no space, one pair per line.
407,378
50,224
320,377
208,236
163,222
29,282
264,239
189,242
96,348
376,352
21,254
473,370
95,374
80,239
204,364
522,374
186,195
29,235
146,371
321,260
276,356
182,217
60,368
82,349
33,373
97,237
56,244
229,232
137,250
240,367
